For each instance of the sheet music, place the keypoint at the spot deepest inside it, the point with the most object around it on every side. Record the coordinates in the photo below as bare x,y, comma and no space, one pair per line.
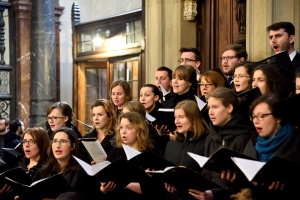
96,150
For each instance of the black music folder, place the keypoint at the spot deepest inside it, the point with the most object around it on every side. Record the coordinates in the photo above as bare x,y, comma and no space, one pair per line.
245,100
17,174
50,187
119,171
183,178
166,118
146,159
291,109
219,160
275,169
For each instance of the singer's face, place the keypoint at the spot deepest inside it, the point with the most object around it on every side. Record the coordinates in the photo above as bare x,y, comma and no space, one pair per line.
148,98
128,132
100,118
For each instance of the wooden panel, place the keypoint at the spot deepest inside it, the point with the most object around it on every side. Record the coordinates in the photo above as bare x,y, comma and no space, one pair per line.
216,28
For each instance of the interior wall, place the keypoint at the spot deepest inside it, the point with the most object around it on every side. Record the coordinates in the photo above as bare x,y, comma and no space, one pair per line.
95,9
262,13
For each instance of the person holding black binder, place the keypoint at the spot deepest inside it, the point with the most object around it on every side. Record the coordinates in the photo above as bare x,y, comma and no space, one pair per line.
132,131
189,136
104,123
35,143
274,136
227,129
184,84
60,160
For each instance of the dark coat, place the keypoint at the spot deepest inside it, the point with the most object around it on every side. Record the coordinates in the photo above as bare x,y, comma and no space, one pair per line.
233,135
172,102
176,151
296,62
151,188
290,149
8,140
87,187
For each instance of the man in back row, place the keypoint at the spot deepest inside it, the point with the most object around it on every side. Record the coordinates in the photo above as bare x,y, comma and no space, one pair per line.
232,54
190,56
282,38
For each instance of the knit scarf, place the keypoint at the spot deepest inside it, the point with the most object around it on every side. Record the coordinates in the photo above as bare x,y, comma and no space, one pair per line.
266,147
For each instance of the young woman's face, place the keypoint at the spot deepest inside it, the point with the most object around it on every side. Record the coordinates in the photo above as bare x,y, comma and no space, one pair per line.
297,85
31,151
181,121
206,86
218,113
265,123
56,119
180,86
128,132
118,96
148,98
241,79
260,80
100,118
62,150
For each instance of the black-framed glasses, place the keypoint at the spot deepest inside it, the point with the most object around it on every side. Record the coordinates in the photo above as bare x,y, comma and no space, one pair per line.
30,142
260,116
240,76
227,57
186,60
205,85
54,118
60,142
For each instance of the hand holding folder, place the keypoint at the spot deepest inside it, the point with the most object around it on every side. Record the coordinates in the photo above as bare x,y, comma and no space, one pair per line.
276,169
146,159
219,160
49,187
183,178
93,149
118,171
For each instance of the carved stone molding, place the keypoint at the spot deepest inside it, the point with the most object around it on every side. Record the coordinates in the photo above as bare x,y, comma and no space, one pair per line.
189,10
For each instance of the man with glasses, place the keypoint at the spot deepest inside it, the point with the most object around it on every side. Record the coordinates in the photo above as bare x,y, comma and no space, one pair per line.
191,56
8,139
231,55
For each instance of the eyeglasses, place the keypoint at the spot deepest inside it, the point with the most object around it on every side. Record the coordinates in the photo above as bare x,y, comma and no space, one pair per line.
54,118
240,76
60,142
205,85
260,117
227,57
30,142
186,60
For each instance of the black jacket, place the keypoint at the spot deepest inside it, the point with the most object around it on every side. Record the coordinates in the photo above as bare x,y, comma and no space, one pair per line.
233,135
290,149
176,151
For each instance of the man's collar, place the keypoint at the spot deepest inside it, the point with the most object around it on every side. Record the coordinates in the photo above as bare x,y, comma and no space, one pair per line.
292,55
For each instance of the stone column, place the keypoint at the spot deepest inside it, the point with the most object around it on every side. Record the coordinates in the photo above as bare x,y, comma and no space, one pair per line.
43,60
58,13
22,10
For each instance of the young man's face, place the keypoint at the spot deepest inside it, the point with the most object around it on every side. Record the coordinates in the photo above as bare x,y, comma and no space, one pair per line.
280,41
229,60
